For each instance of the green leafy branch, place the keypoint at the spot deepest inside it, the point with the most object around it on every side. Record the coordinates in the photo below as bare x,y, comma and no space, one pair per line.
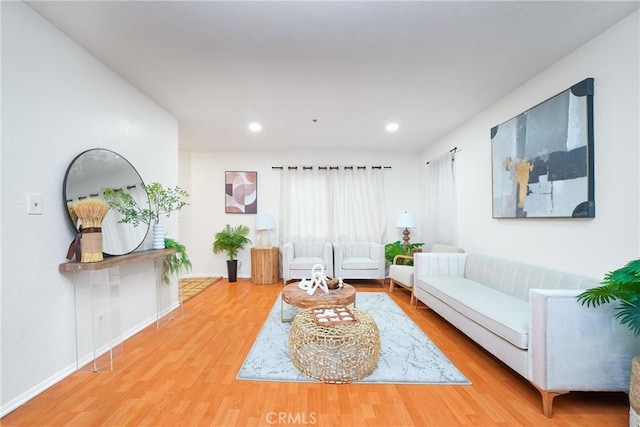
162,201
621,285
175,263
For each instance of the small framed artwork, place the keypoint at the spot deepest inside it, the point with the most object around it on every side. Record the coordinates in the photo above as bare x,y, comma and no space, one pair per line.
241,192
542,160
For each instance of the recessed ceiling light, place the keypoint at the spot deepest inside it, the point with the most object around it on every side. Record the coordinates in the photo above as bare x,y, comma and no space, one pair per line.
255,127
392,127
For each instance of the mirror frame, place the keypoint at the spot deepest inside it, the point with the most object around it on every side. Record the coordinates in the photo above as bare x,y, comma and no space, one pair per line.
66,198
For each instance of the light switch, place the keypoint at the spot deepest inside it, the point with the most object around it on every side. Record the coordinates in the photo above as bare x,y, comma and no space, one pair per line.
34,204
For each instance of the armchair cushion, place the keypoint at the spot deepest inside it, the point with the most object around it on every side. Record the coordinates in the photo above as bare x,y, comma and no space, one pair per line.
359,263
402,274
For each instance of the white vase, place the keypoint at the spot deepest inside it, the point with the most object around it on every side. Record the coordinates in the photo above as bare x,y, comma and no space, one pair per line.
158,236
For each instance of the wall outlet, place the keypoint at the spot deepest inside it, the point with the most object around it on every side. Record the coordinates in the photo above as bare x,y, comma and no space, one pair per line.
101,321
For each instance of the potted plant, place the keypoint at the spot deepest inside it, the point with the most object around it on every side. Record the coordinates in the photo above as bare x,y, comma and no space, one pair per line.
397,248
231,240
162,201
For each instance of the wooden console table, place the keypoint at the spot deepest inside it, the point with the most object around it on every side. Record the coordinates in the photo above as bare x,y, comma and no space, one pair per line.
97,293
264,265
115,261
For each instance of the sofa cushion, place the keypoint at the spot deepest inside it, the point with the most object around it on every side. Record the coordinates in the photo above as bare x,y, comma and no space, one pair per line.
359,263
502,314
306,263
402,274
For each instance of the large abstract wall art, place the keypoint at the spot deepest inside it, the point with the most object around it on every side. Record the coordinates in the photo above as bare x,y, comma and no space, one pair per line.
241,192
542,159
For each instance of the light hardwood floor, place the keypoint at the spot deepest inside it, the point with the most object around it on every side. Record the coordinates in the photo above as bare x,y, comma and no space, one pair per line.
184,375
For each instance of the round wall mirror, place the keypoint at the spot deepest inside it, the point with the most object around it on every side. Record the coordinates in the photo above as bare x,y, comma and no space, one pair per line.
91,172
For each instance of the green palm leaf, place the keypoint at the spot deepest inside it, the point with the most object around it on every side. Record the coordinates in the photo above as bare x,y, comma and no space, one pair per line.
621,285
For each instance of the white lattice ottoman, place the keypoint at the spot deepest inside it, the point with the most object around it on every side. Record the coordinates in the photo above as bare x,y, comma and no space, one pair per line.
334,354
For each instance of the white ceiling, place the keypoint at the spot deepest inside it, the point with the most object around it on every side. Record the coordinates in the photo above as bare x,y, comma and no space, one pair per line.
352,66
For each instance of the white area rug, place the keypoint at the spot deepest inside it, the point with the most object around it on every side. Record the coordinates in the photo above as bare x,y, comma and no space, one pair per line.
407,355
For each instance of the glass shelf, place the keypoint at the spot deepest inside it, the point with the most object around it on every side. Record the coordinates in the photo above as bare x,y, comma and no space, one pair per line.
97,300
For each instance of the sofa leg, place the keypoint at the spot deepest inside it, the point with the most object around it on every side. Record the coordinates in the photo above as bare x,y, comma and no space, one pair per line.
547,401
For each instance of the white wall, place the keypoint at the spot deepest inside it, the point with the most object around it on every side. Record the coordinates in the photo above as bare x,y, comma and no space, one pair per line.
589,247
57,100
206,212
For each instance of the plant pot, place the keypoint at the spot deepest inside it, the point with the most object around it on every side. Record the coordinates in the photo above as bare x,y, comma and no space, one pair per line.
232,269
634,393
158,236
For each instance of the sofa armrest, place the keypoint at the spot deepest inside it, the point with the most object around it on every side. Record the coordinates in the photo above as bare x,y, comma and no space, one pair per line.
337,259
439,264
376,251
327,254
573,347
286,254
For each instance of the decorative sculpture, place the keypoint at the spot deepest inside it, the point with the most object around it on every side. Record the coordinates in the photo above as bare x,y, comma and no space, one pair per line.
319,280
334,283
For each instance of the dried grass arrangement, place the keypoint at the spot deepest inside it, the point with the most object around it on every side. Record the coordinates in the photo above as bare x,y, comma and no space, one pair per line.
90,212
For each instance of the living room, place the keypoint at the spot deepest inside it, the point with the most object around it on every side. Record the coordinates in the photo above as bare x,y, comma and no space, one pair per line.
59,100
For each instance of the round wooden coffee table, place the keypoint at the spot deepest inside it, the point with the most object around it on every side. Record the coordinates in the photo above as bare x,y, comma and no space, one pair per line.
293,295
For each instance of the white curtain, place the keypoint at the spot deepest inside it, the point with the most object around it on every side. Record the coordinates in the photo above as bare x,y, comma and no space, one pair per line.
442,214
332,204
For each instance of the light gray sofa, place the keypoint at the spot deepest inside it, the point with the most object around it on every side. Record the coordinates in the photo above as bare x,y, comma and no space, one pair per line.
528,317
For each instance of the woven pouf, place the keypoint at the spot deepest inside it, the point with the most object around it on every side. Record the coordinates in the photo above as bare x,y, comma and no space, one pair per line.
634,393
334,354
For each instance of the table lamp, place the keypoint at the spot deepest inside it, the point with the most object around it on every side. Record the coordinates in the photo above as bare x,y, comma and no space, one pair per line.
406,220
264,223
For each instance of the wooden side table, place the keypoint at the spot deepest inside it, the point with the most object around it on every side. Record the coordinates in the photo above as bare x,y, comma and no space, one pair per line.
264,265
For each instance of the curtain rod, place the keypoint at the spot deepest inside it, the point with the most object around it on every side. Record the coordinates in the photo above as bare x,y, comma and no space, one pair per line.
329,167
454,150
129,187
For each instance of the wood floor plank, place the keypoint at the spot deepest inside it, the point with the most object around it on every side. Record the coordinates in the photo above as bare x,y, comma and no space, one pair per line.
184,375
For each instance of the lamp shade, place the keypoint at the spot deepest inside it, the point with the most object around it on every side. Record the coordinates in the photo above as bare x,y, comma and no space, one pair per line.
406,220
265,222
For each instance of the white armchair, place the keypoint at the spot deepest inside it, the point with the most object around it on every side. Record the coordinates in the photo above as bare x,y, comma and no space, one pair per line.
359,260
298,258
402,274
